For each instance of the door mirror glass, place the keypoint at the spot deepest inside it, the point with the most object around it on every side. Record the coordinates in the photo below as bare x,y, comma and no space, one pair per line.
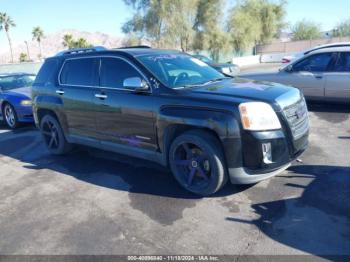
135,83
289,69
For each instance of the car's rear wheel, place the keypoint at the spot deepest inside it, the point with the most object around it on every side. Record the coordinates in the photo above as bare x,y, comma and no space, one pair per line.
197,162
10,116
53,135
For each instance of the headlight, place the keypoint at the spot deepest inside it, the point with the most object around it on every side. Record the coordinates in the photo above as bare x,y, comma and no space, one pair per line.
26,102
258,116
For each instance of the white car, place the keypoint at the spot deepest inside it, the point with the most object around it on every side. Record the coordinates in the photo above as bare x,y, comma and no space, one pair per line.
289,58
322,74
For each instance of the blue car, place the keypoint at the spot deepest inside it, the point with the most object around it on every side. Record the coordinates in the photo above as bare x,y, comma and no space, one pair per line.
15,99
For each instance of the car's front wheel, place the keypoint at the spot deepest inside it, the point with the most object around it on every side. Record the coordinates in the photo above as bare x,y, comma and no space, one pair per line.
10,116
197,162
53,135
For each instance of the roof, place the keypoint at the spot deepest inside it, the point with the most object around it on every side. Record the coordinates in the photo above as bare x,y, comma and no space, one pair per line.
133,51
338,44
331,49
14,74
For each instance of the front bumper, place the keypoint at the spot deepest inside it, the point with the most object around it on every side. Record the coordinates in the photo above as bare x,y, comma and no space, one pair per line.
25,114
254,168
242,176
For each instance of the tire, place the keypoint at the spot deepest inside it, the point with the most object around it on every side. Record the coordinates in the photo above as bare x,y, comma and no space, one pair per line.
53,135
10,116
197,162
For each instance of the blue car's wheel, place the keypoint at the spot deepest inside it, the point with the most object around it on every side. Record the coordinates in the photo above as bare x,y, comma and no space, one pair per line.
10,116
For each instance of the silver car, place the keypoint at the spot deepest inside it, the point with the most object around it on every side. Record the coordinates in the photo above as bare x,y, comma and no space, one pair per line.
323,74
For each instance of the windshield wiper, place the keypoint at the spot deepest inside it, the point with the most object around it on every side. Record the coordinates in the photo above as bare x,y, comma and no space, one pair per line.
213,80
203,83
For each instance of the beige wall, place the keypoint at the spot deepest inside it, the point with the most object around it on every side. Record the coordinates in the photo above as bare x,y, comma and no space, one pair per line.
297,46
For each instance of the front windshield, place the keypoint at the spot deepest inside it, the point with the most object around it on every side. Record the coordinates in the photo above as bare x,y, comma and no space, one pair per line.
179,70
16,81
204,59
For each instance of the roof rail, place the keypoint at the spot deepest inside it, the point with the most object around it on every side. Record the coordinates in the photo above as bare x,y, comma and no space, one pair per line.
134,46
81,50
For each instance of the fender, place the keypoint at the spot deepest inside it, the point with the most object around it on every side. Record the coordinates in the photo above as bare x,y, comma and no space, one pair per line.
222,123
49,103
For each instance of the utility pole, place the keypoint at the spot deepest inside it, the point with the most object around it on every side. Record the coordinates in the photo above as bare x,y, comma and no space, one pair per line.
27,50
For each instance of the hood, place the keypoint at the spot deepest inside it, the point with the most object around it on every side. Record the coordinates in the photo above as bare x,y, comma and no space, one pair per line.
250,90
22,91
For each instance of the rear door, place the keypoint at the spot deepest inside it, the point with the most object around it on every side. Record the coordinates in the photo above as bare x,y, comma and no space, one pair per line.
338,80
309,74
77,83
124,116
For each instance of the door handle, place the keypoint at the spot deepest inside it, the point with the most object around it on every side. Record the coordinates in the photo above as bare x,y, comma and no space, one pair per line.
101,96
318,76
60,92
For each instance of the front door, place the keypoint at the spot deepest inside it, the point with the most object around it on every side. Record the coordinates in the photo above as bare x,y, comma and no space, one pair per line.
124,116
309,74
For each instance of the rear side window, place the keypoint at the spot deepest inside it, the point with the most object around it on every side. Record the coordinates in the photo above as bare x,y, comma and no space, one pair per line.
315,63
343,63
114,71
47,72
80,72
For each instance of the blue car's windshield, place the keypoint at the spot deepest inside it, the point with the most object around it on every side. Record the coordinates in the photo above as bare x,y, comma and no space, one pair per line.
177,70
16,81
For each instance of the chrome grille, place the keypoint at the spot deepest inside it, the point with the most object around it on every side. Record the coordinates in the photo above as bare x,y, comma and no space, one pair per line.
297,118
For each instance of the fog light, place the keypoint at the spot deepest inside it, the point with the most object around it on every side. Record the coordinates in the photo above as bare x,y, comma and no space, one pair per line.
267,153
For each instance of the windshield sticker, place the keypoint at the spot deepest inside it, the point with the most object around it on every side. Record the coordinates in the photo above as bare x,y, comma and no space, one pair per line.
163,57
198,62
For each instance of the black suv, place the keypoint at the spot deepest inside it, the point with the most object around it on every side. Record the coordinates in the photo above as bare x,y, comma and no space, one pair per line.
171,108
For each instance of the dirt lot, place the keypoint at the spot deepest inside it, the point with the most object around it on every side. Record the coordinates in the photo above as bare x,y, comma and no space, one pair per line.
85,204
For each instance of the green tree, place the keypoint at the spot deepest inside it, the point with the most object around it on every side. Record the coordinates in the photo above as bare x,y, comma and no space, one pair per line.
210,34
38,35
254,22
155,21
342,29
306,30
131,40
70,43
81,43
6,23
23,57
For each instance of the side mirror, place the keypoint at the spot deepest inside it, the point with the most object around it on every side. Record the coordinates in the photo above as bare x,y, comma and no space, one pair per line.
135,83
289,68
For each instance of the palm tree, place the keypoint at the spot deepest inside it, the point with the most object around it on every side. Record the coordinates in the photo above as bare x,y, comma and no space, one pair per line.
38,34
6,23
82,43
67,41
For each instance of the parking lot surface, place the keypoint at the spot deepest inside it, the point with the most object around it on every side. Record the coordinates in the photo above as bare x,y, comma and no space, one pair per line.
85,203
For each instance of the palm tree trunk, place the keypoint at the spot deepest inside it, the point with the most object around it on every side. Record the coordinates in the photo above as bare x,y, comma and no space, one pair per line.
40,49
10,43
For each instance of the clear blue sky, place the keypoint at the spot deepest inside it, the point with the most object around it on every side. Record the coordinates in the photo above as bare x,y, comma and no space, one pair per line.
108,15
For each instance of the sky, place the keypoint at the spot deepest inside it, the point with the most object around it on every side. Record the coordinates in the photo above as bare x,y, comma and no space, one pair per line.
107,16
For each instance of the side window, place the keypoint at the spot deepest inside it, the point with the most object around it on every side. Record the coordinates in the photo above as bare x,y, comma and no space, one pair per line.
343,63
314,63
47,72
81,72
114,71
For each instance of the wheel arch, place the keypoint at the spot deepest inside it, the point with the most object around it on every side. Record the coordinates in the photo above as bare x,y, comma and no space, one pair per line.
173,122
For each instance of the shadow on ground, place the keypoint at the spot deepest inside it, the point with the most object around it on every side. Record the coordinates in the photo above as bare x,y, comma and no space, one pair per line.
99,168
333,113
315,221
